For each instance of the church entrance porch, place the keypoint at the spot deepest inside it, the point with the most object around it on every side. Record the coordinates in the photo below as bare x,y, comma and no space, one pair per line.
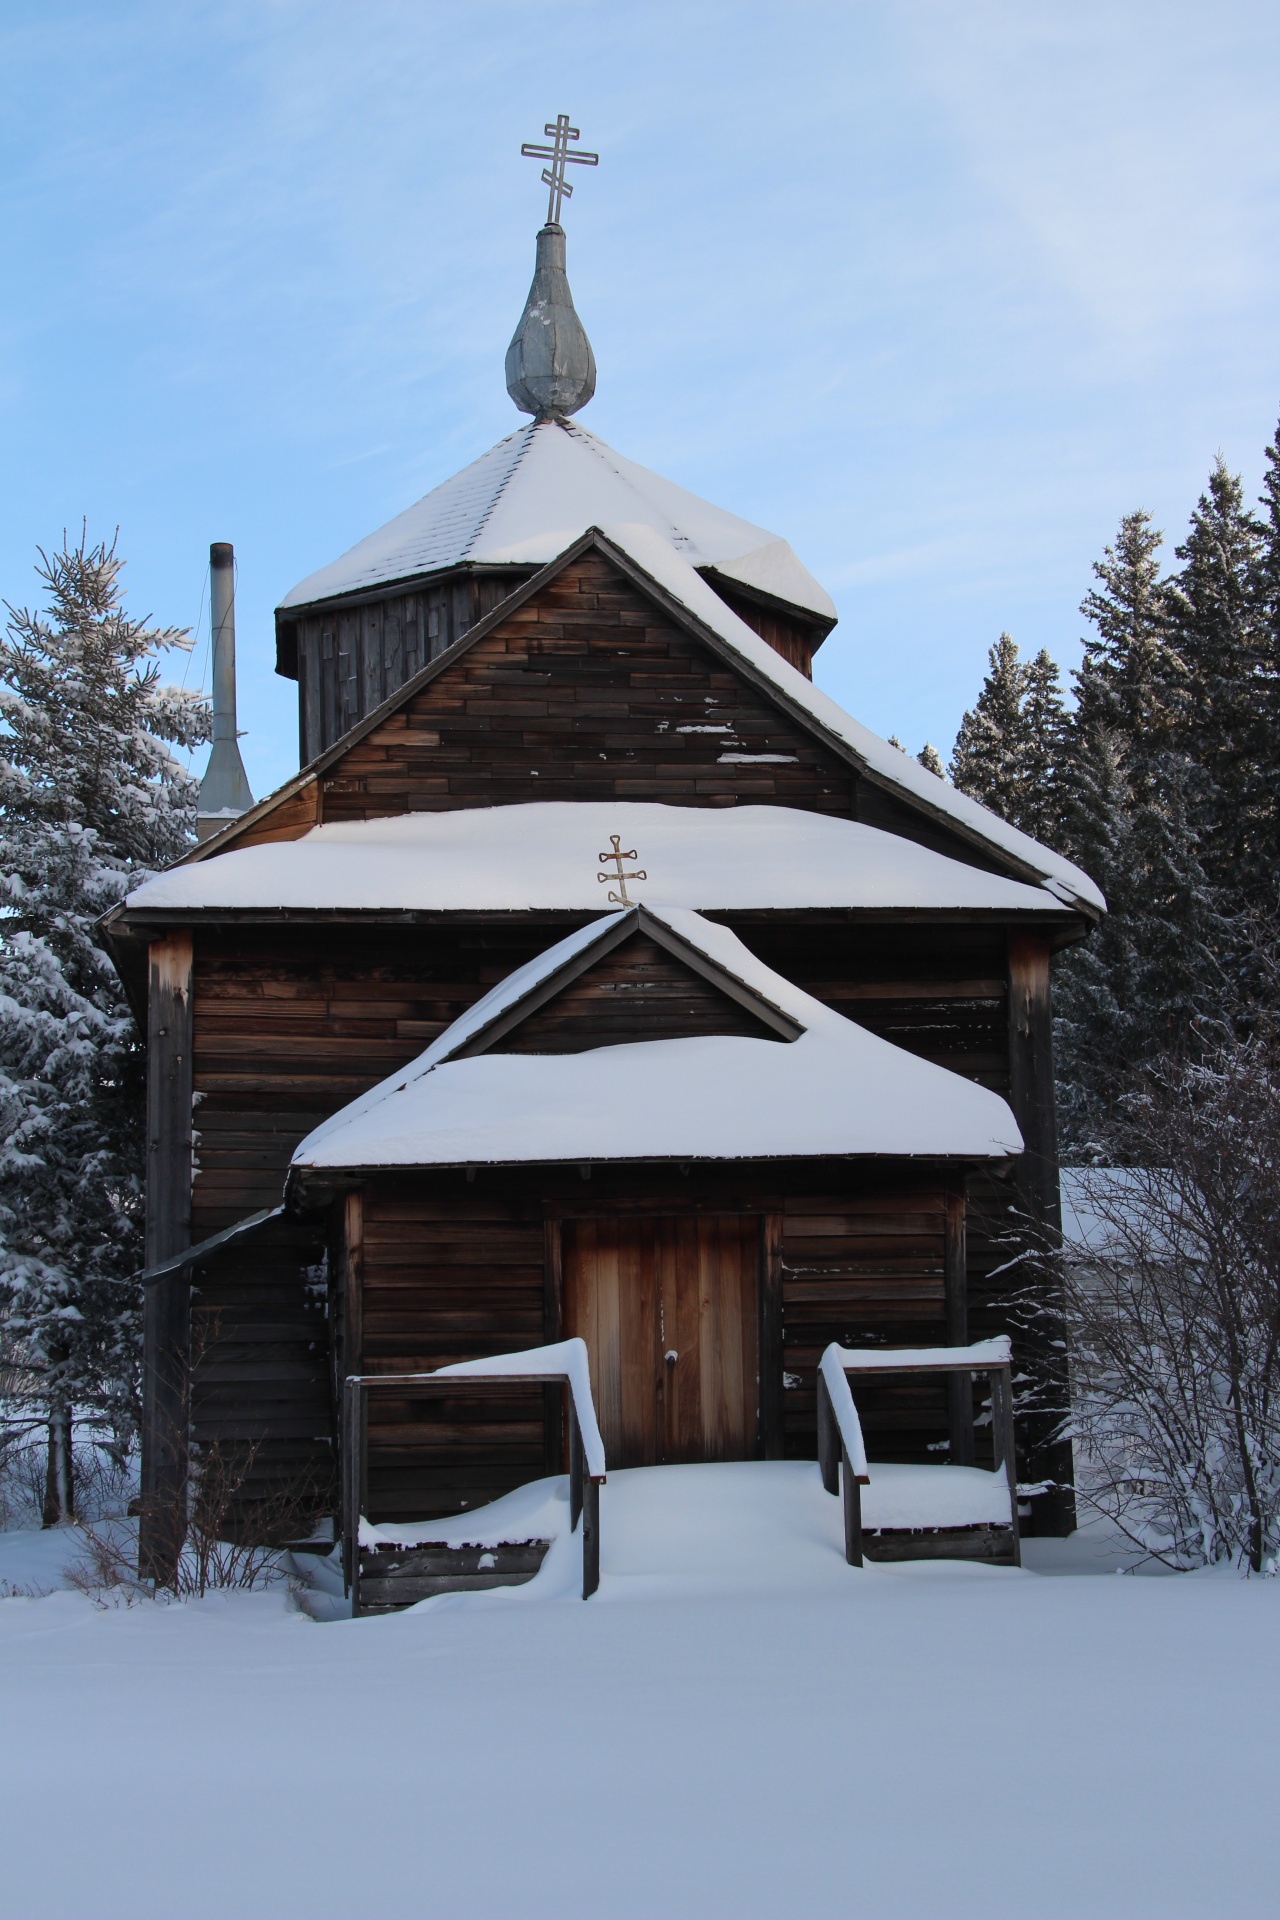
669,1308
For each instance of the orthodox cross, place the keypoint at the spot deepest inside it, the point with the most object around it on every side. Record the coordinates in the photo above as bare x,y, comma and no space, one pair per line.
560,133
620,899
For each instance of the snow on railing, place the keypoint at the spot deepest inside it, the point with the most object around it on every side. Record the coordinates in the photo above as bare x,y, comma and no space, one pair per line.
565,1363
840,1442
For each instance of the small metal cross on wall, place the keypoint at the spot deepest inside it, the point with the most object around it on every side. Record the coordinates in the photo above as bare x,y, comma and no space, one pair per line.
560,133
620,899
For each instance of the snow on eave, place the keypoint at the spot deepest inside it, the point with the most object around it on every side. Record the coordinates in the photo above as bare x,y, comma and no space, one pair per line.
540,855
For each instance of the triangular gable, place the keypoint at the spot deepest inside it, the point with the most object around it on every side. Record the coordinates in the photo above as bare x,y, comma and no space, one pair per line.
527,1020
833,738
837,1090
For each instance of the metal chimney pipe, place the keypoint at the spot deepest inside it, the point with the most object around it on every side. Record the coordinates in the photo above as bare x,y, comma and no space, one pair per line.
224,791
222,619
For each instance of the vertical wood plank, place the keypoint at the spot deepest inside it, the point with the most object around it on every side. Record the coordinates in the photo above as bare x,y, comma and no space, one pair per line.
553,1397
353,1281
956,1284
167,1305
772,1431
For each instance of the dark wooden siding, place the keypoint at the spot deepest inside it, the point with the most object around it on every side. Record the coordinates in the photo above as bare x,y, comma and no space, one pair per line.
449,1278
352,655
796,640
637,992
291,1024
262,1404
454,1270
586,692
861,1269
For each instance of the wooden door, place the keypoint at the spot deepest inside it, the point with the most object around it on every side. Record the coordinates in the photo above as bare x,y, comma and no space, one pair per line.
668,1307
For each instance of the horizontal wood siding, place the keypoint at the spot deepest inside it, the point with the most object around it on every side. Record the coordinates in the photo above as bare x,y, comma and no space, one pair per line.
353,656
446,1281
290,1025
860,1270
637,992
587,692
261,1401
350,656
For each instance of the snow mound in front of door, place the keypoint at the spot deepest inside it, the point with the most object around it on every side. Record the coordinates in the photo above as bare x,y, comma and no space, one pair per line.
733,1527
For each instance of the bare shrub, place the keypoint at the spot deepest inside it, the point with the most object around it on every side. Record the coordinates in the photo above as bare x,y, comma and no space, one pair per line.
1172,1313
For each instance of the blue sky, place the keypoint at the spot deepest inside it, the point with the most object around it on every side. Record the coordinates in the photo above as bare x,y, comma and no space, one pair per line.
937,291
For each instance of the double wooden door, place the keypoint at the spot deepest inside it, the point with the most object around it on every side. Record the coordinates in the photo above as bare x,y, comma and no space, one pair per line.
669,1309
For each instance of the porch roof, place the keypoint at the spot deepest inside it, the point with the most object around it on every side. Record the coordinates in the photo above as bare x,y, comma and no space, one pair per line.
835,1090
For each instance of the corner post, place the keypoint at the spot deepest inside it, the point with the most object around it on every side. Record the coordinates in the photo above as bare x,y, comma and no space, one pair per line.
553,1396
167,1306
1036,1185
772,1398
956,1287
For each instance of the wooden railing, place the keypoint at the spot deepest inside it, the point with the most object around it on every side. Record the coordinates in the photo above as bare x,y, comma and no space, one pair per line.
840,1442
564,1364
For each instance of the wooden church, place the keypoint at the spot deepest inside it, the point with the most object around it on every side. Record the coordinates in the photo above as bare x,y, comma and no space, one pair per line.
596,975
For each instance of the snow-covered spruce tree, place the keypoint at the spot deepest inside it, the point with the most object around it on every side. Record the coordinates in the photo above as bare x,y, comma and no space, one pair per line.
91,798
1009,744
931,759
1267,690
1138,986
1222,718
1128,680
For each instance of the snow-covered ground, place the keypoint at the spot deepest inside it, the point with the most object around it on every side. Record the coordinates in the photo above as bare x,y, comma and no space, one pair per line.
737,1724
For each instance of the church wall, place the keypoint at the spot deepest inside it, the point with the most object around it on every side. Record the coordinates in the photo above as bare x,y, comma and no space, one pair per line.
350,656
290,1023
587,692
453,1268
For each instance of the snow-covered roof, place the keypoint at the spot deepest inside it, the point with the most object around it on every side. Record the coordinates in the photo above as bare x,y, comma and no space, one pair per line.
544,855
533,494
836,1090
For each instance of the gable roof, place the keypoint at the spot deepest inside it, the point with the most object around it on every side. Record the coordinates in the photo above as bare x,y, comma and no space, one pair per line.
542,855
834,1090
533,494
656,569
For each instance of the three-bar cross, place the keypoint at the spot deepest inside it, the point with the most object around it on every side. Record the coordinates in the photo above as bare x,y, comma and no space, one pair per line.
620,899
560,134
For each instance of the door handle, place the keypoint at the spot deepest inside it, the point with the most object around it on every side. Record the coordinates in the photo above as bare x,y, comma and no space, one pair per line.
671,1356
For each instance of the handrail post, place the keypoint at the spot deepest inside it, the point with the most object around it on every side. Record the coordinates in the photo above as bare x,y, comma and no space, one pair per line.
350,1404
576,1466
591,1539
852,1511
828,1438
357,1416
1002,1418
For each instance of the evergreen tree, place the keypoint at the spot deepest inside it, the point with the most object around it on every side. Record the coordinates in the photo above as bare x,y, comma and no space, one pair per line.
1128,681
91,799
1153,969
1009,744
1222,724
1267,692
930,758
